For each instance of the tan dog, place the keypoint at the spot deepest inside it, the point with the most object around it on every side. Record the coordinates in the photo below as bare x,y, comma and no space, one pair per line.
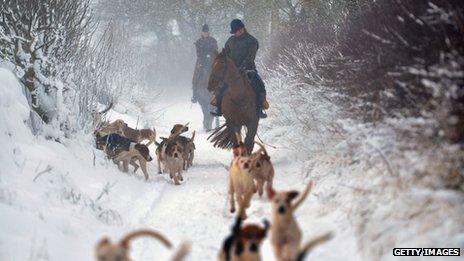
285,232
138,136
178,129
262,169
106,128
244,243
136,152
241,184
108,251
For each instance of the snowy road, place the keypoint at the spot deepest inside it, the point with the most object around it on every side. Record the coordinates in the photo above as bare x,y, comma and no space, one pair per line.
197,210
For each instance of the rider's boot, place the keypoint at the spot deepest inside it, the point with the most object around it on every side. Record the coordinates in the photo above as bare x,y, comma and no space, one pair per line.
217,112
260,105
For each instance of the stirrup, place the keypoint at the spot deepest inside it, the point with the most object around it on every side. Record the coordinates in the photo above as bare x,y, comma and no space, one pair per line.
216,113
262,114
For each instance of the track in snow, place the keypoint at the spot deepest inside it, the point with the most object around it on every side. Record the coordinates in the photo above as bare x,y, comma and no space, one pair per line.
197,210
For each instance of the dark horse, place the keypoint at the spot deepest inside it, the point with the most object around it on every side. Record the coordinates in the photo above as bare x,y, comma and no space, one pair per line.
238,103
203,96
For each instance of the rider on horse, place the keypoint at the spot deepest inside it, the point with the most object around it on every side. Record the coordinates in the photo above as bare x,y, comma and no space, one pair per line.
206,48
241,48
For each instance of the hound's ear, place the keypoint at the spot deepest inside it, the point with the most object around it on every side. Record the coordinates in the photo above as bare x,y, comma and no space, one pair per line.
270,192
267,225
193,136
238,136
125,244
292,195
104,242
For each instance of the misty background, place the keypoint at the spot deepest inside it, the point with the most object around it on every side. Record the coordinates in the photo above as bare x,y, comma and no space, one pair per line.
161,33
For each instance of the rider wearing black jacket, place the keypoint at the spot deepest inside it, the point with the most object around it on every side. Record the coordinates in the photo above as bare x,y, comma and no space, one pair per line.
241,48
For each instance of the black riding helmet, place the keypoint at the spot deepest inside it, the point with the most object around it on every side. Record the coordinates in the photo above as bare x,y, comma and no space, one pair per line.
236,25
205,28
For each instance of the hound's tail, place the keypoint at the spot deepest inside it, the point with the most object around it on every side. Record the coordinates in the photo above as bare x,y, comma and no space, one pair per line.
222,137
107,109
311,244
181,252
150,233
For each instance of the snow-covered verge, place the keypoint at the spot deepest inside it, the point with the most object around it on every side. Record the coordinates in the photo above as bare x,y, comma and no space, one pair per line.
56,199
396,185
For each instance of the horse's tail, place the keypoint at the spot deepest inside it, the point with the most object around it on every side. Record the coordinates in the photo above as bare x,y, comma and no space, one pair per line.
222,137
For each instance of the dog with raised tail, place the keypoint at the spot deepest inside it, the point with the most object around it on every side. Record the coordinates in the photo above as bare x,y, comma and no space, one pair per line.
262,169
241,184
119,251
285,233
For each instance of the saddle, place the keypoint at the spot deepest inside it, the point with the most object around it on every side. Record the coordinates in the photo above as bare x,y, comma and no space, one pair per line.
214,102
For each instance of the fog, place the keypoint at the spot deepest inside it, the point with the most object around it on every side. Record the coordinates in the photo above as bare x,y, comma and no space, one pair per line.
162,33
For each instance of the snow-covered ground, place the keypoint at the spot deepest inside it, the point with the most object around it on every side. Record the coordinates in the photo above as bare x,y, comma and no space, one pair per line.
58,199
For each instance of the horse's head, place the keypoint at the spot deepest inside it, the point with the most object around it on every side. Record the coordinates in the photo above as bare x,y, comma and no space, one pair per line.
218,72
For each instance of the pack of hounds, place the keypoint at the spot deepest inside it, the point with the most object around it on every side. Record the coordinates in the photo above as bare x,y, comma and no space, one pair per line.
249,173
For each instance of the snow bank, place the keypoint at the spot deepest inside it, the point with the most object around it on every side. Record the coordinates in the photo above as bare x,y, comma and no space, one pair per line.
393,183
58,199
14,109
14,113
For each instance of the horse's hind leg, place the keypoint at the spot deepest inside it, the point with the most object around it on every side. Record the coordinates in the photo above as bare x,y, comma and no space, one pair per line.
250,136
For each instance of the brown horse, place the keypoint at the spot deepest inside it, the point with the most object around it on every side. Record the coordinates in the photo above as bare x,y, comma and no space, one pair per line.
238,104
